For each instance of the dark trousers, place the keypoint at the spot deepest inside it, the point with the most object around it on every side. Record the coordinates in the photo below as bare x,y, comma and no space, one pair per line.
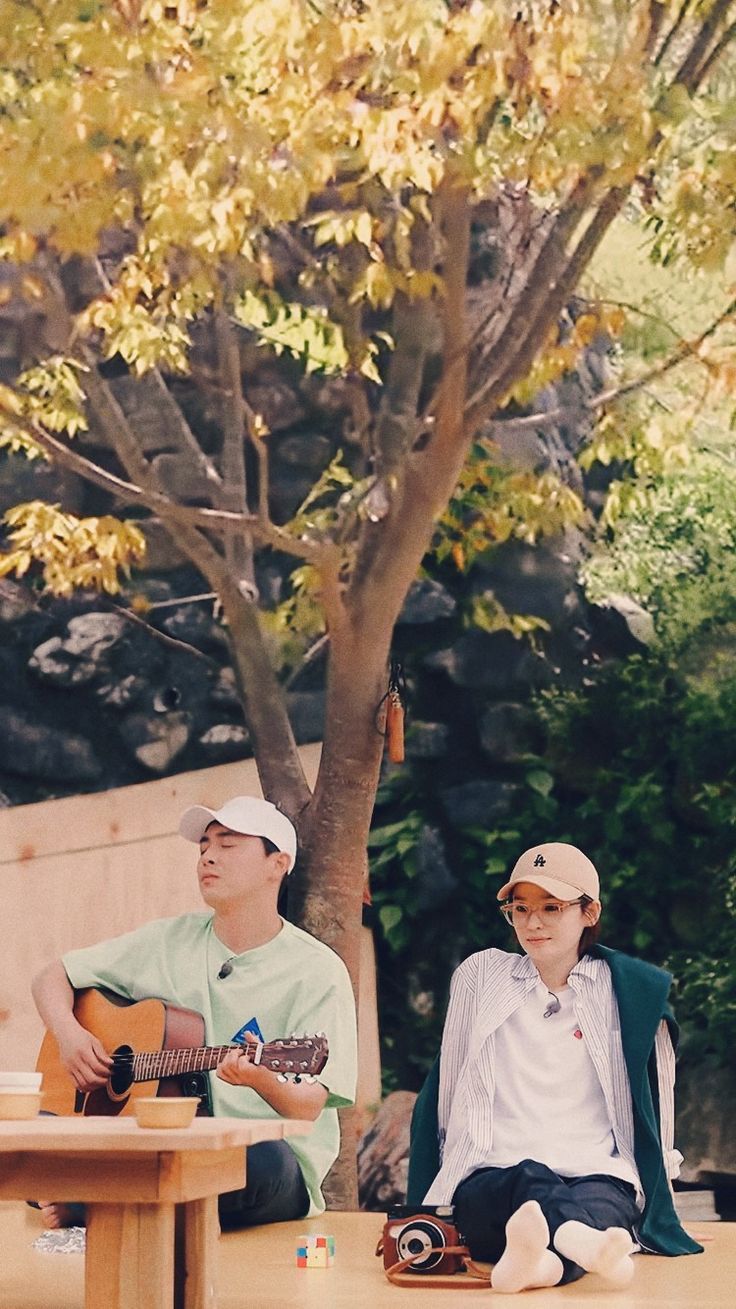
274,1191
485,1201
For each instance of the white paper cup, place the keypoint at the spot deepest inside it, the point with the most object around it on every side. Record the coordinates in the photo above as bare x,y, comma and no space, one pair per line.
23,1081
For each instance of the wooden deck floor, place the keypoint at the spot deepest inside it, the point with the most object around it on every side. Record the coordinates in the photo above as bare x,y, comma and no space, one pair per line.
258,1271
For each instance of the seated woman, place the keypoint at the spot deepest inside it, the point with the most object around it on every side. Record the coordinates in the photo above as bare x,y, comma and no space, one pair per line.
555,1113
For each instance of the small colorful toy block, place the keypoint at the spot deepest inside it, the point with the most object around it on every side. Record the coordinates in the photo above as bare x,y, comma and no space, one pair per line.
317,1251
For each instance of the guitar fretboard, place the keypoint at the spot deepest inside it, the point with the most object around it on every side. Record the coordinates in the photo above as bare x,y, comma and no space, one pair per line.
152,1065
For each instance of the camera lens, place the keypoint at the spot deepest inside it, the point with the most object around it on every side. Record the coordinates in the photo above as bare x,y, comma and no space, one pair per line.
423,1235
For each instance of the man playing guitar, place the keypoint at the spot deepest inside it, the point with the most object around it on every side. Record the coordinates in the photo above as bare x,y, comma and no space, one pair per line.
253,977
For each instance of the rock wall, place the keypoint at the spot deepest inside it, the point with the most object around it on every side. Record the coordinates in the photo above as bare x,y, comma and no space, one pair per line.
91,699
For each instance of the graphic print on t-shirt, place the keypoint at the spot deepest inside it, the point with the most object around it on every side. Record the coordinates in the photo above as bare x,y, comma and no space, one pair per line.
252,1027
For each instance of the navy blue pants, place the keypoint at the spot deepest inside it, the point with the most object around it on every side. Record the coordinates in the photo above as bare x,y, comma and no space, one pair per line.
275,1191
485,1201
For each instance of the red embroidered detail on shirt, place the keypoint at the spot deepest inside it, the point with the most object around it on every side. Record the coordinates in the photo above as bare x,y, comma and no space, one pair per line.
578,1034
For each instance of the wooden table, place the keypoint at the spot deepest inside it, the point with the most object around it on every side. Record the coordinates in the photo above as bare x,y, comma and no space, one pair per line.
131,1179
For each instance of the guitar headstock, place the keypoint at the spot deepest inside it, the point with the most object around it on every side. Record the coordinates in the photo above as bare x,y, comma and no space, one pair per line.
295,1056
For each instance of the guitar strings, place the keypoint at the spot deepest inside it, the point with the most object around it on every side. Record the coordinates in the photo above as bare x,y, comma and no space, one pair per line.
129,1056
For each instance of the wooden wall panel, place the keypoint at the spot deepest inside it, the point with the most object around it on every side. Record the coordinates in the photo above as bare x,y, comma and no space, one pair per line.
78,870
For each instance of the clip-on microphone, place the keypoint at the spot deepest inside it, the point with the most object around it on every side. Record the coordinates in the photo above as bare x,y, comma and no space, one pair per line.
553,1007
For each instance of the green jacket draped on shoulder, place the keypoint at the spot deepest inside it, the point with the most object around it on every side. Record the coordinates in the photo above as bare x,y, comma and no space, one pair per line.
641,992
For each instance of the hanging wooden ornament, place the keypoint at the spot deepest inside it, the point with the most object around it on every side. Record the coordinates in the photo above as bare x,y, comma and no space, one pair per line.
395,715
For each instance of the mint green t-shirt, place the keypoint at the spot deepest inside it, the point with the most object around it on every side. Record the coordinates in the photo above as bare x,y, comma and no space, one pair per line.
294,983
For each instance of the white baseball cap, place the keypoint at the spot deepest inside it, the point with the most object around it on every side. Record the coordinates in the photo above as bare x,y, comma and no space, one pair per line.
245,814
557,867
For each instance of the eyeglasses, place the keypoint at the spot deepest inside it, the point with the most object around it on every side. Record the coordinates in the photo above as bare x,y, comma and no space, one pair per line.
516,912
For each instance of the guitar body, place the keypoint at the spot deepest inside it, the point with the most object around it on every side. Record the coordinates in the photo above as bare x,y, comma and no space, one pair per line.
122,1026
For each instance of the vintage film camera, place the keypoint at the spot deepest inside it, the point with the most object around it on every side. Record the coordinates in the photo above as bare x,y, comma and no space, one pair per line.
427,1235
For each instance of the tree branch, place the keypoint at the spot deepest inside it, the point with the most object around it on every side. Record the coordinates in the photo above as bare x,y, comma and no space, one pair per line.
691,72
331,589
535,292
715,54
669,38
188,444
552,293
605,398
216,520
390,552
176,421
396,422
277,758
234,492
182,647
257,439
532,334
446,443
684,351
657,12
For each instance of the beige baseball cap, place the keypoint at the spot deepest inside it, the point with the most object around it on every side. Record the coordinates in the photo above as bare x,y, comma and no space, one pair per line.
246,814
557,867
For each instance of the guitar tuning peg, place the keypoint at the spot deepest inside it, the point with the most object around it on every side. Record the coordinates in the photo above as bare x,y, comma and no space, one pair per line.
282,1077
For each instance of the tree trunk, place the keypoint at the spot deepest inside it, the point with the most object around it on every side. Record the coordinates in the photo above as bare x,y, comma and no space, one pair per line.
277,758
334,864
327,896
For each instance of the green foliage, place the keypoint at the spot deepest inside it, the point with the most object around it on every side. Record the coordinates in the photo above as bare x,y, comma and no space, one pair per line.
65,552
674,548
294,623
486,612
145,336
493,504
49,394
640,772
419,944
319,510
305,333
647,756
648,446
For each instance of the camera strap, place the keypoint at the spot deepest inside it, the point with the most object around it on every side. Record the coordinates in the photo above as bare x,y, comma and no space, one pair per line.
480,1278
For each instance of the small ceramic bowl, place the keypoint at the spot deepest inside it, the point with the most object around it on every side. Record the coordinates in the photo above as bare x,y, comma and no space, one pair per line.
19,1102
165,1110
23,1081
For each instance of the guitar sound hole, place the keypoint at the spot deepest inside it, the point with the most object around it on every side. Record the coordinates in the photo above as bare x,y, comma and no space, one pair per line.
121,1077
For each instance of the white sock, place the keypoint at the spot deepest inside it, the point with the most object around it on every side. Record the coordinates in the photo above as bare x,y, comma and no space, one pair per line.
606,1253
526,1261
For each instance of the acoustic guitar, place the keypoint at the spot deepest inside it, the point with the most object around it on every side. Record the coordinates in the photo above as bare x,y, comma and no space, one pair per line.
157,1049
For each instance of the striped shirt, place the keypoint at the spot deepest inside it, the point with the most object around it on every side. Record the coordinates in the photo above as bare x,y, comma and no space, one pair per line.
486,989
